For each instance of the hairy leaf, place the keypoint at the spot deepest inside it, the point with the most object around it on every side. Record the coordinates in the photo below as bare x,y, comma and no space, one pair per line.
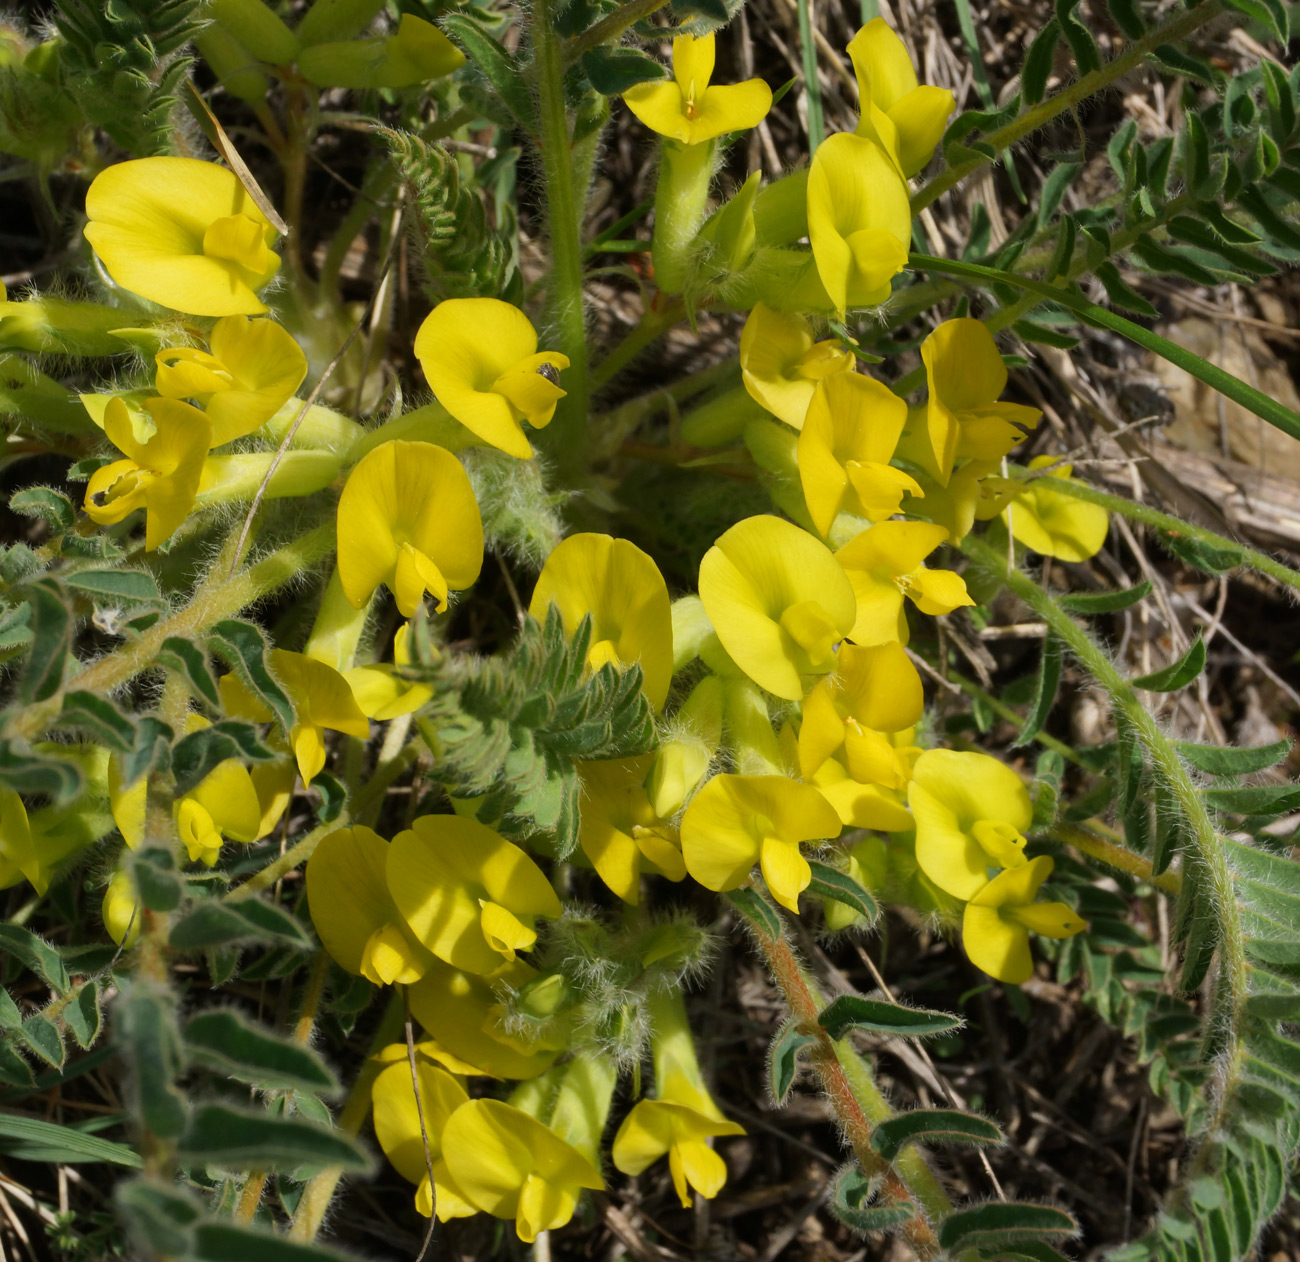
854,1012
932,1126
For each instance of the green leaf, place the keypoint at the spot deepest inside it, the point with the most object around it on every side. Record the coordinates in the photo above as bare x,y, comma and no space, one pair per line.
1002,1223
1201,555
242,646
854,1012
1171,58
144,1029
25,772
47,659
1128,17
242,1139
43,1037
1078,36
161,887
1265,799
848,1203
200,753
333,796
1271,14
1121,293
1049,679
757,910
613,70
153,748
99,719
20,1134
132,587
14,1070
82,1016
1089,603
1039,63
214,923
502,70
224,1041
1055,187
224,1242
783,1059
160,1216
1159,258
829,882
932,1126
51,506
11,1018
1218,761
191,663
1177,674
36,954
712,13
1032,331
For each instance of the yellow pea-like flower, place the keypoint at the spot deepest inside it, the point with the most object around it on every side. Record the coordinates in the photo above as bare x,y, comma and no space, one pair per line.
859,220
965,375
619,830
778,601
682,1116
122,910
354,914
686,108
735,822
972,812
1000,917
402,1129
321,700
182,233
620,586
481,360
160,474
870,803
1056,525
905,119
848,438
250,369
408,520
781,364
687,748
884,565
469,895
381,691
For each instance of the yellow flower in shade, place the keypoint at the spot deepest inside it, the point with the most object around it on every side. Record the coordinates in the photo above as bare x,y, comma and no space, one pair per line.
619,830
408,520
321,700
965,374
469,895
511,1165
381,691
250,369
1056,525
621,588
905,119
859,220
160,475
971,813
735,822
181,233
865,803
122,910
847,441
778,601
873,691
781,364
462,1013
687,748
481,360
682,1117
354,914
399,1132
999,918
884,565
972,493
685,108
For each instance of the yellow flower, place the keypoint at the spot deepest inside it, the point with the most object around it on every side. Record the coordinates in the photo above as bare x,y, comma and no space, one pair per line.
686,749
321,699
619,830
621,588
873,691
462,1013
999,918
859,220
907,121
884,565
735,822
408,519
686,108
1056,525
181,233
681,1118
160,475
415,53
971,813
781,364
381,691
480,357
250,369
468,895
121,910
402,1129
965,374
354,914
848,439
870,804
778,601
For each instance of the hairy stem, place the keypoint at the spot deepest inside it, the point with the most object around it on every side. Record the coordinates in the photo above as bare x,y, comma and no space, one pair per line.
611,27
1115,856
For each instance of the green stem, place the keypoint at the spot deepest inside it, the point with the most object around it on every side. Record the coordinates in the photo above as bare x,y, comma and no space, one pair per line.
1152,517
654,324
1115,856
611,27
811,83
1175,30
564,220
